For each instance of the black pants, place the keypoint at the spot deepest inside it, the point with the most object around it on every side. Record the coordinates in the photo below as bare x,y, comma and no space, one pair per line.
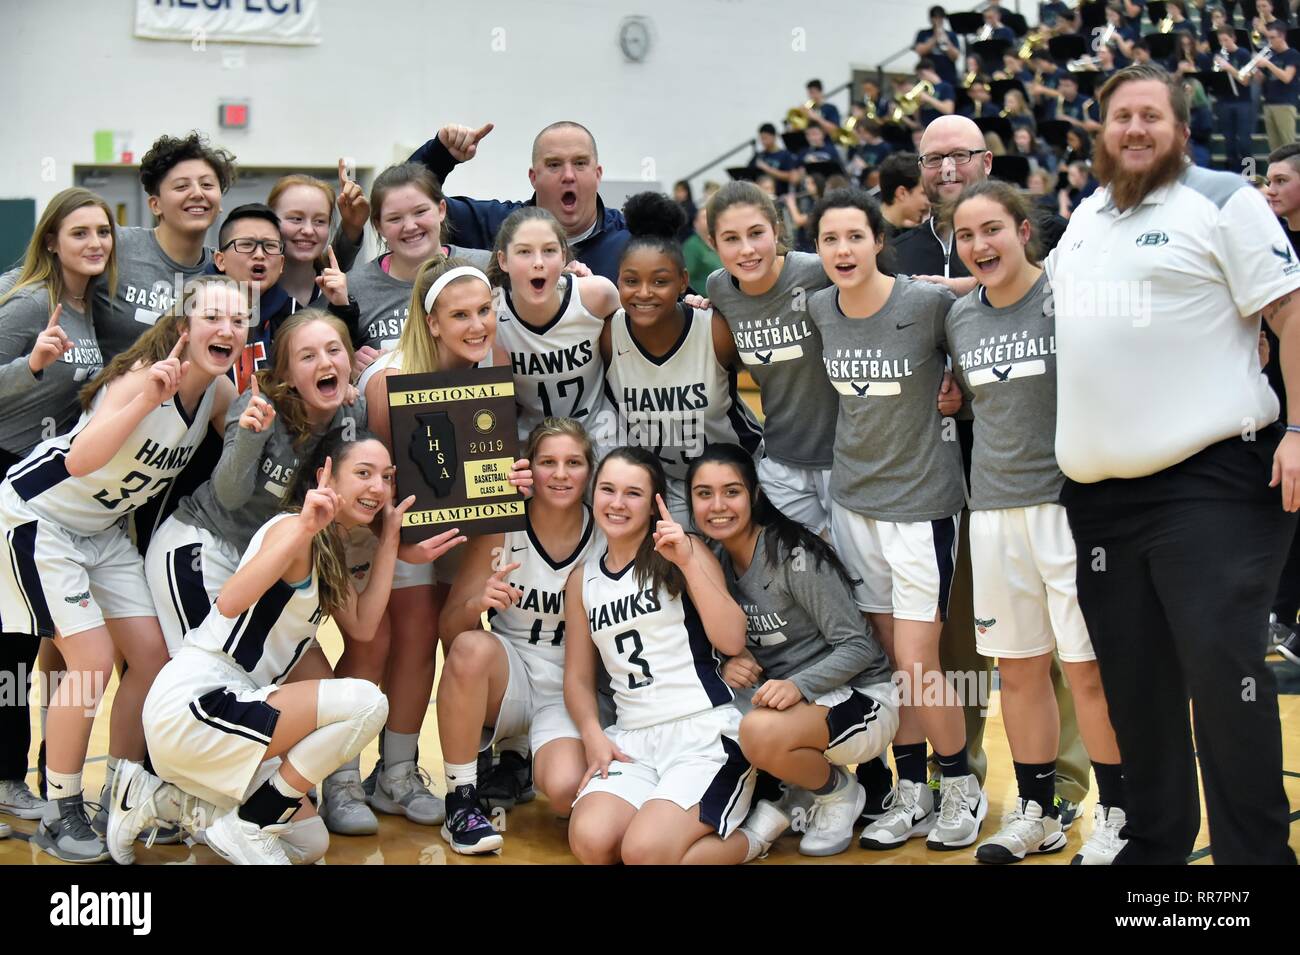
1176,572
17,661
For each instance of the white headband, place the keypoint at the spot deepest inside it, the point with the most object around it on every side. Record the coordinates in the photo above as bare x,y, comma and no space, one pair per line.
459,272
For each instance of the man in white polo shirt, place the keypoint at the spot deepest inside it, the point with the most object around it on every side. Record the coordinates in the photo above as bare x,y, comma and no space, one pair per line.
1182,489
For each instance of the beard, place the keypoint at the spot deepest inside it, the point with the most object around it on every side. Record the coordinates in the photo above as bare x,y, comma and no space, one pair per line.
1127,189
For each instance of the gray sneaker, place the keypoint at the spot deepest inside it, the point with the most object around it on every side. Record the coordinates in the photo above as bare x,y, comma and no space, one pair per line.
17,800
962,807
1025,831
343,806
65,833
830,824
403,790
909,812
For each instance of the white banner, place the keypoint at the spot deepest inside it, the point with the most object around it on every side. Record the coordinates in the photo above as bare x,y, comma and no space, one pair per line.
286,22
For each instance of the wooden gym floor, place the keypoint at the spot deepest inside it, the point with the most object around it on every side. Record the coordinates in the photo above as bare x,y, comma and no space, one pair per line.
534,836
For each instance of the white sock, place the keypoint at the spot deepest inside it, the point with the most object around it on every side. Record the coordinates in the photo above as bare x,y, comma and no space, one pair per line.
461,774
109,772
756,846
63,785
400,747
283,787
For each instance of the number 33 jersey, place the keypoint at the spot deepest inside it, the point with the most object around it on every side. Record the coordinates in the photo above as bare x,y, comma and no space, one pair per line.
145,465
536,623
661,665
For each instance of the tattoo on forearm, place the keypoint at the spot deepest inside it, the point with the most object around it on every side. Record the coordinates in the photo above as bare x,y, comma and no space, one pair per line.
1271,310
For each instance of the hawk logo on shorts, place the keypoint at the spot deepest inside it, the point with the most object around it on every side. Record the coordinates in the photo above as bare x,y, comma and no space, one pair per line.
81,600
1152,238
360,570
983,625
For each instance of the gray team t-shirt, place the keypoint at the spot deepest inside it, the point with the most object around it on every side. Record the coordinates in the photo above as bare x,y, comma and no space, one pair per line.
1005,362
30,403
803,625
252,480
148,284
385,301
781,350
895,459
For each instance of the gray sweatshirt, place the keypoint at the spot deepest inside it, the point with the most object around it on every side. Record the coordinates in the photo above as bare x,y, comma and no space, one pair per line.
803,624
37,407
781,349
252,480
385,301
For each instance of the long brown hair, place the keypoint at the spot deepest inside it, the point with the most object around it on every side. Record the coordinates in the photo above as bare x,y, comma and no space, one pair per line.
275,383
41,264
285,183
407,174
741,193
329,545
157,343
650,567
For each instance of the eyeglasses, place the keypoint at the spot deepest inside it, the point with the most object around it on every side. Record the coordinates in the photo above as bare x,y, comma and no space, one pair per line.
959,157
247,246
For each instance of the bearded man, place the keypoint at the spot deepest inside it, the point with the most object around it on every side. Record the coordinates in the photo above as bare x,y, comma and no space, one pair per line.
1182,484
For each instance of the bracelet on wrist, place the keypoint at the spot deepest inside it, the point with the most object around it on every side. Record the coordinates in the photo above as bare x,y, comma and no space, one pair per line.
1293,427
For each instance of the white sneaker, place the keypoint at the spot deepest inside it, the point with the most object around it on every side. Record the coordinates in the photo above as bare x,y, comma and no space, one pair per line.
132,809
1025,831
403,790
763,826
830,824
245,843
962,807
17,800
1104,844
343,806
909,812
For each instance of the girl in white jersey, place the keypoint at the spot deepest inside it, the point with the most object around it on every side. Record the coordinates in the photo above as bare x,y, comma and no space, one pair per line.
510,681
452,326
550,323
221,712
672,367
668,781
71,572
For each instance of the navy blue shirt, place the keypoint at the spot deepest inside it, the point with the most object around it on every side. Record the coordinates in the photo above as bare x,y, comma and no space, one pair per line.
829,112
474,222
943,64
1277,93
781,159
943,91
873,154
1238,59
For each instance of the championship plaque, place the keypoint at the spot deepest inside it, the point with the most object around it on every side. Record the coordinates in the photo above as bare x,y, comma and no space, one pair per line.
454,440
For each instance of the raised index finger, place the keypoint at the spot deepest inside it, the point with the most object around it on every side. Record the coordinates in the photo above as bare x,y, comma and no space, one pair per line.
252,384
343,172
325,474
334,262
663,508
180,345
482,131
57,313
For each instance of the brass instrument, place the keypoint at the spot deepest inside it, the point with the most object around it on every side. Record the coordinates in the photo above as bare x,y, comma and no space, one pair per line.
797,119
1034,40
1167,25
1253,65
869,110
1084,64
969,79
910,102
845,135
986,33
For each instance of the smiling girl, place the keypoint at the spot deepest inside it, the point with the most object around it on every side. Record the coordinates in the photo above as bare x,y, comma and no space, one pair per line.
72,573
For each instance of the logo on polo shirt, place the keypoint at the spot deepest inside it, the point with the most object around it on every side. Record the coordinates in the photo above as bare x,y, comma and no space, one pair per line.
1287,256
983,625
1152,238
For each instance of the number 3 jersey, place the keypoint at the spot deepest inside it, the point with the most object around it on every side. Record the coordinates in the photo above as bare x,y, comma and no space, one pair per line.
536,623
145,465
557,367
677,404
661,665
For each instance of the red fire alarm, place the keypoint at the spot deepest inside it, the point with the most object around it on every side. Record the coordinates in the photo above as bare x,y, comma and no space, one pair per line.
233,115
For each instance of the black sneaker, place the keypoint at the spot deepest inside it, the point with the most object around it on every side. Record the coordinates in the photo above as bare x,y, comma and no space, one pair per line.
466,829
1290,648
509,783
484,764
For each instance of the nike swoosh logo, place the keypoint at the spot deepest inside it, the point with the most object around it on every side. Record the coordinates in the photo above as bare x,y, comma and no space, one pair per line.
901,325
515,550
125,807
624,352
1043,775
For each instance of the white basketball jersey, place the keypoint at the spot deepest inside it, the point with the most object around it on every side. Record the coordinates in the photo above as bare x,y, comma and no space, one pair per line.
661,665
143,467
680,403
558,369
271,636
536,622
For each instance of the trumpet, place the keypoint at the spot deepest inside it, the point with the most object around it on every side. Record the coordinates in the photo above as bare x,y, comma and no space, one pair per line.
986,33
869,109
1084,64
845,135
1253,65
797,119
910,102
1034,40
969,79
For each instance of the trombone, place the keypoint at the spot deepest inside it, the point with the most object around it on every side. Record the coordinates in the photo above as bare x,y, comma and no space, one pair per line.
797,119
1253,65
910,102
1034,40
